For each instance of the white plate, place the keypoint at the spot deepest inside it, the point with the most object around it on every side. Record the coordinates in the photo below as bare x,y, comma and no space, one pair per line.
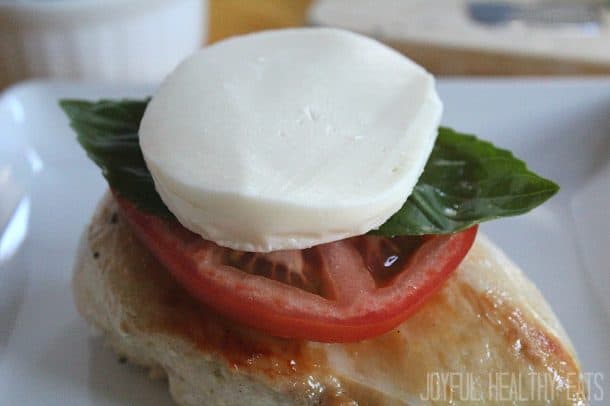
47,356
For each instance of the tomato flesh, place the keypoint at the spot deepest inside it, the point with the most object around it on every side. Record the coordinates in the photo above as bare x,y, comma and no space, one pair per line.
343,291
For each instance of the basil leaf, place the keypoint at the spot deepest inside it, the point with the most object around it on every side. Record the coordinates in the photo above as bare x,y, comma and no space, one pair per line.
466,180
108,131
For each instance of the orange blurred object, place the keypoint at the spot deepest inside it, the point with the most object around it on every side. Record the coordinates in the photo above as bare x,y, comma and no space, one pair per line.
233,17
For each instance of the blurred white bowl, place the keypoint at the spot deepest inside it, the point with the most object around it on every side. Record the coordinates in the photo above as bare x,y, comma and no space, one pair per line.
109,40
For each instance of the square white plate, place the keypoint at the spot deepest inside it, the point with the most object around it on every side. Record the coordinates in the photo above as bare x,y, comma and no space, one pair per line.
47,356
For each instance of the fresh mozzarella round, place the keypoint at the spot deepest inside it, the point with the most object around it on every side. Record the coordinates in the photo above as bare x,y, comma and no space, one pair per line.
289,139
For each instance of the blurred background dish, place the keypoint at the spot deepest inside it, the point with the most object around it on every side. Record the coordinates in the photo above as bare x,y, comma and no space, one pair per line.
111,40
543,12
445,38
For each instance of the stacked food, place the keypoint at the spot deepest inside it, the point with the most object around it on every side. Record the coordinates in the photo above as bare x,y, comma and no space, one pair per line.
287,223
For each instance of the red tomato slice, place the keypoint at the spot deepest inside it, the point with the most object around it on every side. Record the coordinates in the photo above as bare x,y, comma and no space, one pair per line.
343,291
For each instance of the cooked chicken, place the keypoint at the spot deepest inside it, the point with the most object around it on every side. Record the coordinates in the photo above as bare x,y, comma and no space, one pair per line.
487,335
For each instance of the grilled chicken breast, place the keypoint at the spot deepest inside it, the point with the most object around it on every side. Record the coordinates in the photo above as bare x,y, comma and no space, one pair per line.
486,337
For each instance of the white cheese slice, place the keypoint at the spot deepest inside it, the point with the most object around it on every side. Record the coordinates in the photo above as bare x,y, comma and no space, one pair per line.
291,138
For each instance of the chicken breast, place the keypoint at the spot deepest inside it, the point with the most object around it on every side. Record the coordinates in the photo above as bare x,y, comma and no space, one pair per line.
486,337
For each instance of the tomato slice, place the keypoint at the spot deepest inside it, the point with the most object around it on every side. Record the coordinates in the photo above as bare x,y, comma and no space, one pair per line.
343,291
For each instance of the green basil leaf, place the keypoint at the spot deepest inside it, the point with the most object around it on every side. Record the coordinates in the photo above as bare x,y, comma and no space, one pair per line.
466,180
108,131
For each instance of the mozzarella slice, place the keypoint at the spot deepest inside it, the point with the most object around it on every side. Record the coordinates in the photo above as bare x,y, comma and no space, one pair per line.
291,138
